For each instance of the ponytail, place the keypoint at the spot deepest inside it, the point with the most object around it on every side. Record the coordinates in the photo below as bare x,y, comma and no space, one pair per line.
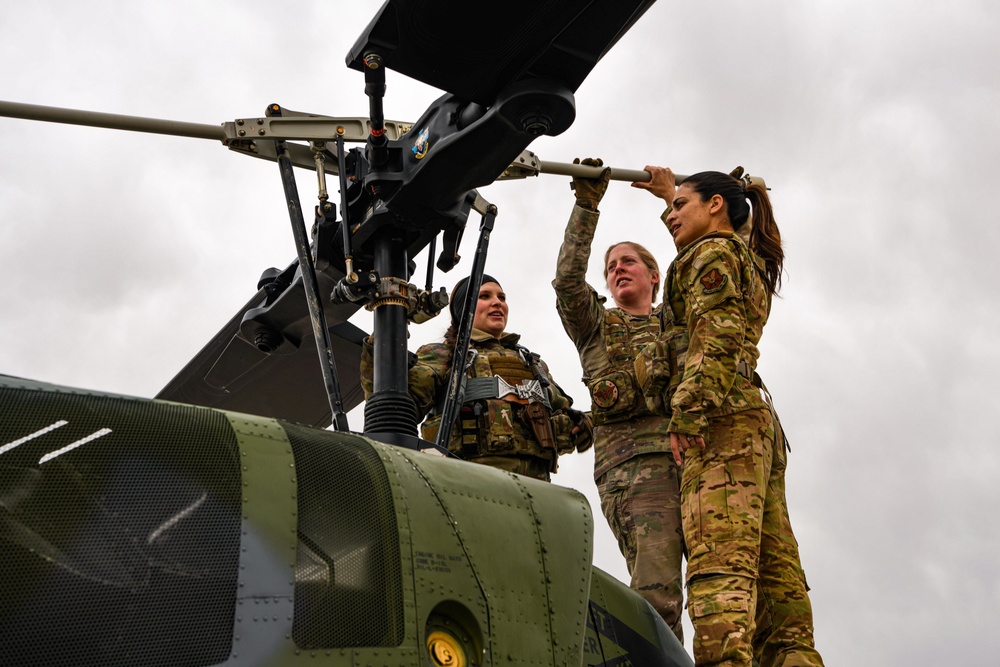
765,239
450,339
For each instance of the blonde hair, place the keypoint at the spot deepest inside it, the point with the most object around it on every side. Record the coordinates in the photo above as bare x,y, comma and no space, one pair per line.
647,259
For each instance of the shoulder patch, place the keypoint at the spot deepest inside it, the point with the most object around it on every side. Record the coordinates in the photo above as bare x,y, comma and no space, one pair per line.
713,281
605,393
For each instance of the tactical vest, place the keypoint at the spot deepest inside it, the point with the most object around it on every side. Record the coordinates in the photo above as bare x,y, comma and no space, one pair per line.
659,370
615,395
516,423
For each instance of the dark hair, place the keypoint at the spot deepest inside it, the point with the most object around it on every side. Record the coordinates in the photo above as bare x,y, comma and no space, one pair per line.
765,239
450,338
458,294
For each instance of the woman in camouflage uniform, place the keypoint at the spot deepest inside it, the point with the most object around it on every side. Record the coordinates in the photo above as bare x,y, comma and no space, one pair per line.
523,434
636,476
747,594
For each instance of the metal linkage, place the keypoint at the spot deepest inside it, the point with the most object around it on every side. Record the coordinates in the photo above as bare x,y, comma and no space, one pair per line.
455,396
375,292
321,332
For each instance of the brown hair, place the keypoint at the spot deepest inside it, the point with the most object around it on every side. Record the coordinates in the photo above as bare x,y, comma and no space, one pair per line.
765,239
647,259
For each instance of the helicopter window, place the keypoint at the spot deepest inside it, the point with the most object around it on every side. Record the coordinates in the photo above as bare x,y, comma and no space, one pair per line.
348,581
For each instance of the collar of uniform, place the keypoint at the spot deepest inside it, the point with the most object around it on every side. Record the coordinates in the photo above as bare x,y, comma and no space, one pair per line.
506,339
721,234
627,315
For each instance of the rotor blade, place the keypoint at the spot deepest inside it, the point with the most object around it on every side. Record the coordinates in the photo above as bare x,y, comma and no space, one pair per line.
587,171
528,164
474,55
112,121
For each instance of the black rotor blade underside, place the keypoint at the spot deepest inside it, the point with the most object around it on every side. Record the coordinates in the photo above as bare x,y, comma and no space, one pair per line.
475,50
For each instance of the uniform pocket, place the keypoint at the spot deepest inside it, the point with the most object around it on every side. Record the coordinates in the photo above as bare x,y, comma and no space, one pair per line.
709,607
652,374
723,502
612,396
429,429
503,431
705,506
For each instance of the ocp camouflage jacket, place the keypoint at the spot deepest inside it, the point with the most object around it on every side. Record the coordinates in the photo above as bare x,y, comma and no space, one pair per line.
714,289
607,340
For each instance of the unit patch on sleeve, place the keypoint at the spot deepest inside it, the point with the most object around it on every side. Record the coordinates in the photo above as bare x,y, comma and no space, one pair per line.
713,281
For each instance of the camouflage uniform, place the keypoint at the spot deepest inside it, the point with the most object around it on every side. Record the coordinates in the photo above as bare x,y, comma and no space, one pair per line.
747,594
496,432
638,481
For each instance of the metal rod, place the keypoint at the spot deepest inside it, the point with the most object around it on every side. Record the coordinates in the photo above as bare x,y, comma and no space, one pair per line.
112,121
345,227
587,171
431,251
375,89
390,408
321,332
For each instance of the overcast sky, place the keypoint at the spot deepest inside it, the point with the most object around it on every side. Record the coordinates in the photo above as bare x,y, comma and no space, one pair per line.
873,123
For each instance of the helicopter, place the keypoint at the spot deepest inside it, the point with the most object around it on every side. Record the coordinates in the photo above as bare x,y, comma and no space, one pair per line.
219,523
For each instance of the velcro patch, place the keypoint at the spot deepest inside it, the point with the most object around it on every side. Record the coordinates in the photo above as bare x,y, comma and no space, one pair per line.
605,393
713,281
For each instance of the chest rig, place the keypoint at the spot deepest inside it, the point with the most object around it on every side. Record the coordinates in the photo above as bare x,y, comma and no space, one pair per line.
515,378
614,393
506,410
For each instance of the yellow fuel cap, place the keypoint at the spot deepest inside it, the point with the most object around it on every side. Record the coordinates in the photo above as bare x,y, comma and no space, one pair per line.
445,651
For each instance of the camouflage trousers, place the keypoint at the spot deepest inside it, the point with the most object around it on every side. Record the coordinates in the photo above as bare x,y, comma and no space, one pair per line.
747,593
640,499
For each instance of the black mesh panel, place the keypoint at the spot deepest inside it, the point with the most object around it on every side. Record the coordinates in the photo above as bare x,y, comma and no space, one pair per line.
348,587
119,531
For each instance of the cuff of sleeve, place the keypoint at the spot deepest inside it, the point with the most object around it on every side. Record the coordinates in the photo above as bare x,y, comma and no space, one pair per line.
663,216
687,424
